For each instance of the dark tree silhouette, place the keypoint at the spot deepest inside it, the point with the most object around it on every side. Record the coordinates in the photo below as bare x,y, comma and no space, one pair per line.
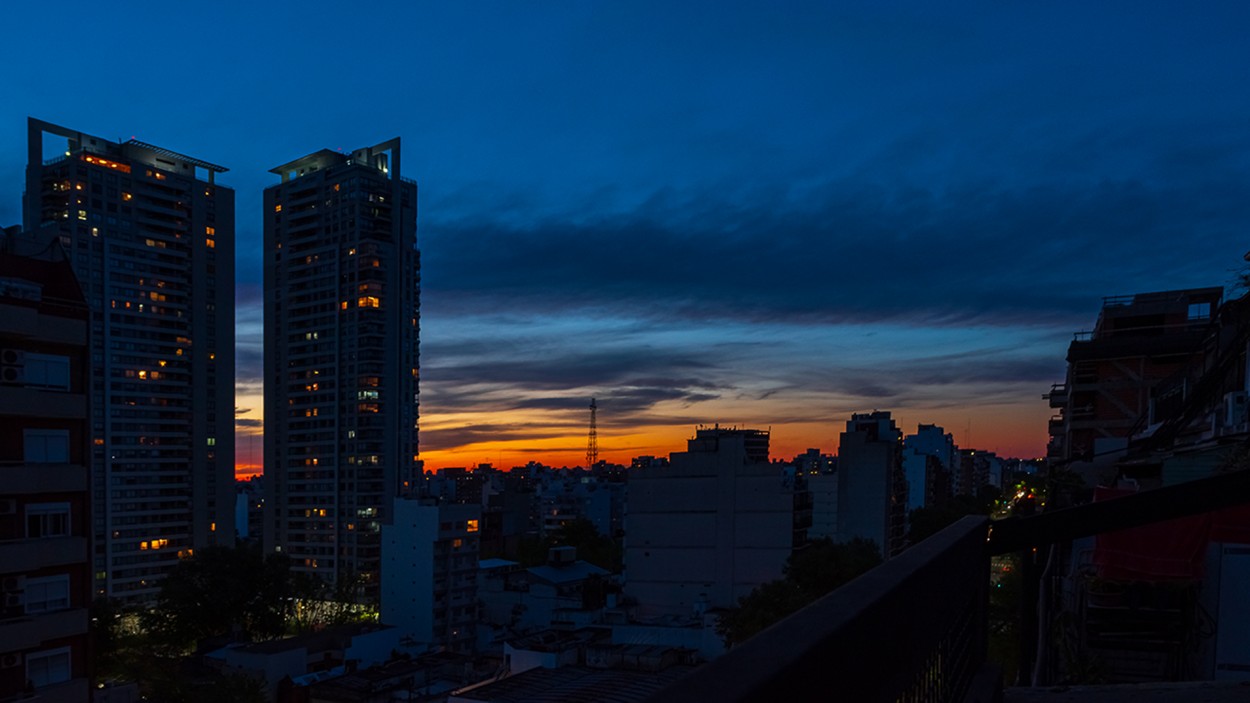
817,569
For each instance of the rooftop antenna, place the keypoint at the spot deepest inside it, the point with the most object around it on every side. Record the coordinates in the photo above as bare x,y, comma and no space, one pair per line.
592,441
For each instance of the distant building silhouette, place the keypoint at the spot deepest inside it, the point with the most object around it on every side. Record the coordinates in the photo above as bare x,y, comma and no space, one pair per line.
150,235
928,458
711,526
872,489
342,283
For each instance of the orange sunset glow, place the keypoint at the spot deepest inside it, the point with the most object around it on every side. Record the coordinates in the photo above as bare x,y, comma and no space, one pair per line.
559,438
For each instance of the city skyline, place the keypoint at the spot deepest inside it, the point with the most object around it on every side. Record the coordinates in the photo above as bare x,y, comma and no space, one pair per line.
761,220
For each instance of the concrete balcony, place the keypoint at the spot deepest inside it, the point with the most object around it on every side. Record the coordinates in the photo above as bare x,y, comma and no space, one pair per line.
72,691
27,555
1058,395
29,632
23,478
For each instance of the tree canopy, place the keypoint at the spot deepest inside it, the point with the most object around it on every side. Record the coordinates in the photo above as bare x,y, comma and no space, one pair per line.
813,571
221,591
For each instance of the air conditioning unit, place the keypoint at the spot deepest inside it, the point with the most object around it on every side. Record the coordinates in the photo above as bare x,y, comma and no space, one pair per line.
13,600
8,506
12,366
9,661
13,584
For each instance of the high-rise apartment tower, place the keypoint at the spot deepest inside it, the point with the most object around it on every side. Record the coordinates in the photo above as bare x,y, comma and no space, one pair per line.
342,282
150,236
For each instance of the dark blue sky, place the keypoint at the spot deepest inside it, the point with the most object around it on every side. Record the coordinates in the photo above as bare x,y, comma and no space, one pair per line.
712,212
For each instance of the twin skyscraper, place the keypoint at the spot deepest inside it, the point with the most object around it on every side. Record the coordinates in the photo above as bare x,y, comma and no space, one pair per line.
150,234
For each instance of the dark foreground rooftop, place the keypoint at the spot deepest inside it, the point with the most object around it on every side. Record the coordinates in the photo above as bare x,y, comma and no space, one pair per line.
1189,692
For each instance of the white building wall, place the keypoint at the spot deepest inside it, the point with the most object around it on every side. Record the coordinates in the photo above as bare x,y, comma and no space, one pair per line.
705,530
407,596
824,488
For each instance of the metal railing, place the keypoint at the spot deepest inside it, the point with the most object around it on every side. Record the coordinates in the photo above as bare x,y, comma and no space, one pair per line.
914,629
911,630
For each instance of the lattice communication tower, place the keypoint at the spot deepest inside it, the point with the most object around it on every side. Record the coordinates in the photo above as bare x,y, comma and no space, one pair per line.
592,441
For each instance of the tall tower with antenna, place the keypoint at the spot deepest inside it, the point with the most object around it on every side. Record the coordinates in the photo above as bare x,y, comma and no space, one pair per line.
592,441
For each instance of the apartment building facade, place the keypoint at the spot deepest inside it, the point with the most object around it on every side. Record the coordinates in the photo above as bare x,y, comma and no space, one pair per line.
150,236
45,570
342,281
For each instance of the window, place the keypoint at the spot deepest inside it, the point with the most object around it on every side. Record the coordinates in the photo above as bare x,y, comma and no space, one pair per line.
49,667
1200,311
471,526
47,371
47,520
45,595
45,446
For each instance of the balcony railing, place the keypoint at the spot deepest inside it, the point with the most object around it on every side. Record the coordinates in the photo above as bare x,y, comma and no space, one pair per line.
914,629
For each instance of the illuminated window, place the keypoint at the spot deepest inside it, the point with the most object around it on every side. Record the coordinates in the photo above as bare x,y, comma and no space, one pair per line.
369,301
127,197
343,305
457,543
470,526
211,243
106,163
143,374
210,231
277,208
82,214
212,441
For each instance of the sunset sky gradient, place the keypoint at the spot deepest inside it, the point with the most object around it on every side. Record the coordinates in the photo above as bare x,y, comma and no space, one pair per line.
705,212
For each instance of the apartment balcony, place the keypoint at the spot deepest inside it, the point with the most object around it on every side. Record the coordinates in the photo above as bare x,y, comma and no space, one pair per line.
30,632
72,691
915,629
30,555
1058,395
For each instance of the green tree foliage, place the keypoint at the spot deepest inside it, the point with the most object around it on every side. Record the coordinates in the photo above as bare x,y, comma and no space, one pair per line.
221,591
580,533
923,523
810,573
